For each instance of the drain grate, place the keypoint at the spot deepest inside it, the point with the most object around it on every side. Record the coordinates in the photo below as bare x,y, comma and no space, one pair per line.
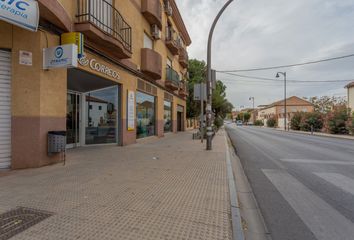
20,219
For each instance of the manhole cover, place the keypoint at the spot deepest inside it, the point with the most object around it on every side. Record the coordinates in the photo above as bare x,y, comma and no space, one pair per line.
18,220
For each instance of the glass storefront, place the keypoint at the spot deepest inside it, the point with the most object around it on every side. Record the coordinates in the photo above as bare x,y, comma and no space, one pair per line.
101,116
145,111
167,116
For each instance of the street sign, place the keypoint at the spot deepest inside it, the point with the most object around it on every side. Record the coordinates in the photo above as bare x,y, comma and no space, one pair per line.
197,92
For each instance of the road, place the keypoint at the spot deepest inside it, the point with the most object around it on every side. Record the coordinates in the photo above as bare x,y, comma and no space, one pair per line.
304,185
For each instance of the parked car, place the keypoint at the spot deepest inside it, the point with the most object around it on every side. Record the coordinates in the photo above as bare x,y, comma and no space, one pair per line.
239,123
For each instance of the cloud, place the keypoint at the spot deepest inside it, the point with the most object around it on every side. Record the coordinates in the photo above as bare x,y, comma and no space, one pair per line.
262,33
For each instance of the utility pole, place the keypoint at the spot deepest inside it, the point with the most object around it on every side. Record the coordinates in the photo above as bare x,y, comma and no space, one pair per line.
209,83
202,111
285,112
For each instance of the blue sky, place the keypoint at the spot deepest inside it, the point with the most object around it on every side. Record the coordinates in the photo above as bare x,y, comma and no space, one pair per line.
258,33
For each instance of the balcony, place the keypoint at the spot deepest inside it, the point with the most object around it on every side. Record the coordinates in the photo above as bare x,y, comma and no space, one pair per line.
104,27
183,57
183,89
151,63
172,79
171,41
152,11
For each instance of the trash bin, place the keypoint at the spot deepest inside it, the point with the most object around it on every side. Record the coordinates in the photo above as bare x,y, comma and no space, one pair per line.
56,142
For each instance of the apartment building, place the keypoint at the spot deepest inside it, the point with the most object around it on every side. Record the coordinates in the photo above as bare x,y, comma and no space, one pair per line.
128,83
277,110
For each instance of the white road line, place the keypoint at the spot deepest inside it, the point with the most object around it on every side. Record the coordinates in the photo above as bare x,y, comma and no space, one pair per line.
317,161
324,221
338,180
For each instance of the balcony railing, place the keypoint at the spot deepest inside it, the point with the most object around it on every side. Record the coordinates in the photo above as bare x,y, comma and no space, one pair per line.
103,15
172,75
171,40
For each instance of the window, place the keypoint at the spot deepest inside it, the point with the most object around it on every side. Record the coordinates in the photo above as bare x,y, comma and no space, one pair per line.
90,107
100,108
145,111
167,116
169,63
148,43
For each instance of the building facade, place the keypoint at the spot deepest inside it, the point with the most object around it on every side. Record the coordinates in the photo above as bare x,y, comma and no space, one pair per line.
350,95
276,110
134,50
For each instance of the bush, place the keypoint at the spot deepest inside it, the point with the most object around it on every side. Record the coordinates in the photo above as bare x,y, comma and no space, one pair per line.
218,122
337,120
258,123
272,122
296,121
313,119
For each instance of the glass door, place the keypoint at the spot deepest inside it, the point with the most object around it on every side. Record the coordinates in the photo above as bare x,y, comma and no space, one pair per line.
73,120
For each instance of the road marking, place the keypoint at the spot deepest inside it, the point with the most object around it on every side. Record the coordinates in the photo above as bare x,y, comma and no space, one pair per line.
338,180
324,221
333,162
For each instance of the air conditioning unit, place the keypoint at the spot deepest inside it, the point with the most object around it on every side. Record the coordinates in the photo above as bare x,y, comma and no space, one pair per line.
155,32
168,8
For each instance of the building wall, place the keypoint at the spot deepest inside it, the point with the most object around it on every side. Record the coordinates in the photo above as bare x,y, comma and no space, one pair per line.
351,98
39,96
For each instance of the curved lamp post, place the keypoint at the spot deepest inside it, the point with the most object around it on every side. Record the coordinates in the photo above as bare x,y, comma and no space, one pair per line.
285,112
209,83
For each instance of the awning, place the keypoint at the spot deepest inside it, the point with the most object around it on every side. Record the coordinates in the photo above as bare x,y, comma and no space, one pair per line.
23,13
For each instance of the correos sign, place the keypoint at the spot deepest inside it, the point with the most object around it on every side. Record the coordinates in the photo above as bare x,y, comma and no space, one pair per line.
22,13
99,67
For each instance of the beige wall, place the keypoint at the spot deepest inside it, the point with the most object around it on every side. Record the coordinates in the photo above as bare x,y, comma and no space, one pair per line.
351,98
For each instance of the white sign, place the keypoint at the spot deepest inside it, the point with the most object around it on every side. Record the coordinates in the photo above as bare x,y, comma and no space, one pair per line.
25,58
64,56
198,93
131,111
23,13
99,67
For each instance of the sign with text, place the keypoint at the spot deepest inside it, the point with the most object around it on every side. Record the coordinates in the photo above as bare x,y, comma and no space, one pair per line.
131,111
98,67
22,13
64,56
25,58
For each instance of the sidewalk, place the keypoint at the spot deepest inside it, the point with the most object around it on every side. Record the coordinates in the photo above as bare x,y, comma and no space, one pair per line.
169,188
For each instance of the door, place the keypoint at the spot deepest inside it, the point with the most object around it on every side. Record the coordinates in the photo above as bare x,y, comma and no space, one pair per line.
73,120
179,121
5,109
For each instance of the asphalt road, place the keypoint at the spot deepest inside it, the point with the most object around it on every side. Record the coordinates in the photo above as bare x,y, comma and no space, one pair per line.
304,184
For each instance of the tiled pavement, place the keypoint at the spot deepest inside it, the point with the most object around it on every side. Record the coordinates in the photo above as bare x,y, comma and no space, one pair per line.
169,188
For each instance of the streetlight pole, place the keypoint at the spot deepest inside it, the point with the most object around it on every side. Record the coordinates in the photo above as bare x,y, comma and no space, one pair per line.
285,112
209,83
253,111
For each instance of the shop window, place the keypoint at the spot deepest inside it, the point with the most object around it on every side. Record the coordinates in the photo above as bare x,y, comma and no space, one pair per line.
101,120
167,116
145,110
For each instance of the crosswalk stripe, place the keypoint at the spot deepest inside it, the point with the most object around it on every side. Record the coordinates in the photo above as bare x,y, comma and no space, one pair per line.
338,180
324,221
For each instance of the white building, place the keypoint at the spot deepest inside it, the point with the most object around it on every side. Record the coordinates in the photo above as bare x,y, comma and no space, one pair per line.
350,95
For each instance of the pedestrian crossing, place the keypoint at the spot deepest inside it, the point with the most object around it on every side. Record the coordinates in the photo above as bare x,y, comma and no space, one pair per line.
325,222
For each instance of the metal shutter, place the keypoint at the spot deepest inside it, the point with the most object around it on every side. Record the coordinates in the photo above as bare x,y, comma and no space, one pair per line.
5,109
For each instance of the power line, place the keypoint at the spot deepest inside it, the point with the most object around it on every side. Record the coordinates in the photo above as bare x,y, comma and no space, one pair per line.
289,65
289,80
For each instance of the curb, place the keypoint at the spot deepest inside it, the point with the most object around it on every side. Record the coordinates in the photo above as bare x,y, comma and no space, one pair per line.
318,135
237,230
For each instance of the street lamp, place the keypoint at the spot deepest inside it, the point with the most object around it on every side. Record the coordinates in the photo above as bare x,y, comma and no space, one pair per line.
253,111
277,76
209,83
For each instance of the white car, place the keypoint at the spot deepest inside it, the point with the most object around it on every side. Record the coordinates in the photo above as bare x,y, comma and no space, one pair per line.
239,123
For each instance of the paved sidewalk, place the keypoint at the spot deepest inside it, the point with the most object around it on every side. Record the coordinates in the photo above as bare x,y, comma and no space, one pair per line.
169,188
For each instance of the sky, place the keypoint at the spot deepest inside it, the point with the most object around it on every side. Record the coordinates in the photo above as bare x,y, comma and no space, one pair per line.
259,33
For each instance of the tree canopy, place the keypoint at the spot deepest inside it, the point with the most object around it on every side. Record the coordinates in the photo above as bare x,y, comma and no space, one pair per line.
197,74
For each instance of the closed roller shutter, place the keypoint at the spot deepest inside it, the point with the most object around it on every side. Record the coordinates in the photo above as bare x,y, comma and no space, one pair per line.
5,109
